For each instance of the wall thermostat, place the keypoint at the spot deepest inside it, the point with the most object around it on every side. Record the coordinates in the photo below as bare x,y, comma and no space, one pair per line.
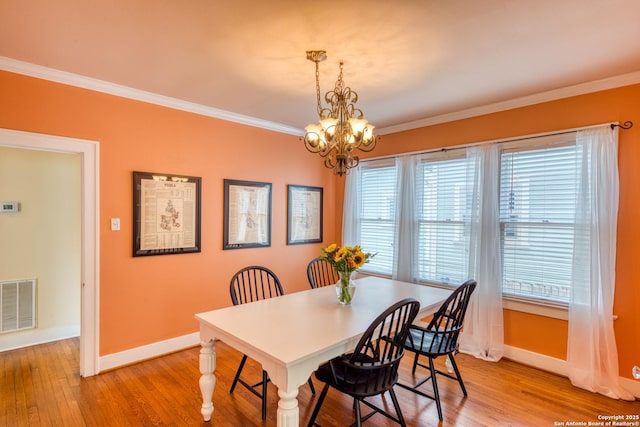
9,207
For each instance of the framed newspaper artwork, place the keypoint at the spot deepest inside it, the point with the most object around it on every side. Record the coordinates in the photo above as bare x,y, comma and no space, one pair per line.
166,214
247,214
304,217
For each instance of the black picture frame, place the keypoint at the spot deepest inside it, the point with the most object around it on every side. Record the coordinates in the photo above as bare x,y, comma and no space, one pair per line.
166,214
304,214
247,214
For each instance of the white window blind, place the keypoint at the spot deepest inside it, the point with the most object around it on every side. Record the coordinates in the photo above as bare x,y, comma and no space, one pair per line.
378,211
537,215
442,195
538,186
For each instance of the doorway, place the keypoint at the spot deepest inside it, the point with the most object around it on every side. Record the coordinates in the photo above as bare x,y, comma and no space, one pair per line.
90,238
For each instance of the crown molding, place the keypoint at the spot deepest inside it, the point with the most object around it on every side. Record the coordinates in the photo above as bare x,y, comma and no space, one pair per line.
71,79
58,76
551,95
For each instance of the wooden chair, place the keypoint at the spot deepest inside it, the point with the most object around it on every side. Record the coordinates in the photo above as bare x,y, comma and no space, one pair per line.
251,284
321,273
440,338
372,368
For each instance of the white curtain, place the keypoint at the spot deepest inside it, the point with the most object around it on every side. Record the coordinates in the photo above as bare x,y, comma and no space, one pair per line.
592,355
351,209
404,262
483,335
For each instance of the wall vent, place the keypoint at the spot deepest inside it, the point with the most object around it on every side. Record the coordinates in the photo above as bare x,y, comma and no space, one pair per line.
17,305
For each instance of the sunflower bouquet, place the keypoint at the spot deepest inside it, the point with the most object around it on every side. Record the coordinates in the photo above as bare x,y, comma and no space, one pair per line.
345,260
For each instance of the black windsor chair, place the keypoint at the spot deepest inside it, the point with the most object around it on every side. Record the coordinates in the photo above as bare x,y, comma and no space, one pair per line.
251,284
372,368
440,338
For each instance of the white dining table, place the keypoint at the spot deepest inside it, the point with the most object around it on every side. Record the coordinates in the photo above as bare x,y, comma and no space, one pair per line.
291,335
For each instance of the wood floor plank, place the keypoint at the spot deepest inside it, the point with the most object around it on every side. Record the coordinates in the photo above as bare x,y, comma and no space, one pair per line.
41,386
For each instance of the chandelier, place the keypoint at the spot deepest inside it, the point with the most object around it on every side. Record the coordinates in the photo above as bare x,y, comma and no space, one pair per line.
342,128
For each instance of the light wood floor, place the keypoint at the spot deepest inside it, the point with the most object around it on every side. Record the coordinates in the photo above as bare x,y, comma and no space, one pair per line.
40,386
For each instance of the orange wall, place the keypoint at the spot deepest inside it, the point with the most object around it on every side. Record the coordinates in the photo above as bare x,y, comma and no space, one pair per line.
544,335
147,299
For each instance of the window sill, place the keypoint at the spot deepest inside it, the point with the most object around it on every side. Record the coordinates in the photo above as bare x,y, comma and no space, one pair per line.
553,310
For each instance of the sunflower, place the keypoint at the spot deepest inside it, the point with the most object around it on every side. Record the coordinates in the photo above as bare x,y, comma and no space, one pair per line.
331,248
346,258
341,254
359,259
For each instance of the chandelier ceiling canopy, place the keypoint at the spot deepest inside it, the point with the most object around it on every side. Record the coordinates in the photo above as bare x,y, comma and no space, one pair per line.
342,128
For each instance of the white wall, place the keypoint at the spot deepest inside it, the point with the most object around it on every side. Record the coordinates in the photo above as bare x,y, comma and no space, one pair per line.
42,241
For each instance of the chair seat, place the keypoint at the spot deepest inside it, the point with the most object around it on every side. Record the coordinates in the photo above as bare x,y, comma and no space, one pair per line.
430,343
349,381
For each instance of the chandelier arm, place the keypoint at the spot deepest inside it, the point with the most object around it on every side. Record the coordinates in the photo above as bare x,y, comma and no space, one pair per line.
325,112
351,111
338,165
350,95
311,147
341,166
315,148
325,153
332,98
356,112
368,147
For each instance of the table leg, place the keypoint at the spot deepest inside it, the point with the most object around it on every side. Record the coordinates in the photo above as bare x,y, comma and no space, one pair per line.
207,380
288,411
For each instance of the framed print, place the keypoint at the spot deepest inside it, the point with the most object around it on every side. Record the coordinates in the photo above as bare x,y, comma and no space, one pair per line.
304,218
247,214
166,214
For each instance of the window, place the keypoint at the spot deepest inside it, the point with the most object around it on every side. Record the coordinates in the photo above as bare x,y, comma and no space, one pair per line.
378,202
538,188
442,196
537,213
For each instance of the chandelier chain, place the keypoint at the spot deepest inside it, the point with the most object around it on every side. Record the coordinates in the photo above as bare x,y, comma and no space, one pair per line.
318,86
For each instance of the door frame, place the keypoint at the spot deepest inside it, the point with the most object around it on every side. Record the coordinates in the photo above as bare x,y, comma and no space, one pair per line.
90,232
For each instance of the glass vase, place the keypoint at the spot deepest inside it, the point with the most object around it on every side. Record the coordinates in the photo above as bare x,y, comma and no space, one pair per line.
345,288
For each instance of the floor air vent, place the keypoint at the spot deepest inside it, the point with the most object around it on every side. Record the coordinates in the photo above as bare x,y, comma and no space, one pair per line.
17,305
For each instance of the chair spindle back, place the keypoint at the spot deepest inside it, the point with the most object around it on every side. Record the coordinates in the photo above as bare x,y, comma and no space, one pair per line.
321,273
254,283
447,322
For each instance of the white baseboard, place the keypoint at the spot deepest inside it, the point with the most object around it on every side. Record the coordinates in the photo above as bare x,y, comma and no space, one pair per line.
29,337
138,354
149,351
537,360
557,366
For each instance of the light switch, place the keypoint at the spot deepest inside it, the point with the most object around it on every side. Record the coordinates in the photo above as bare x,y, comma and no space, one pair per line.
115,224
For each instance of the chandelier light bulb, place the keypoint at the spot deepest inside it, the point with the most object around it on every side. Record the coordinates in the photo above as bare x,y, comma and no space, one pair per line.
313,134
328,123
368,134
357,125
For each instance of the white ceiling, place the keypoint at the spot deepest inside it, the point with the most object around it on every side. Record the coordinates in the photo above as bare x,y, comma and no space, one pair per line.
408,60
